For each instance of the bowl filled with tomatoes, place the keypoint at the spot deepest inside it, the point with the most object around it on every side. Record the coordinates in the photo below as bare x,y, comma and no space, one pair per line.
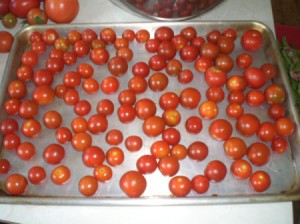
100,113
167,10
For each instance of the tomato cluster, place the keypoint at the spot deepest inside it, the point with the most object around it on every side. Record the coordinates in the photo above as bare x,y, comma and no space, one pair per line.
164,116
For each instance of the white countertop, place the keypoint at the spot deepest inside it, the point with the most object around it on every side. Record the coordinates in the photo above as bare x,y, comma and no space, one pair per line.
95,11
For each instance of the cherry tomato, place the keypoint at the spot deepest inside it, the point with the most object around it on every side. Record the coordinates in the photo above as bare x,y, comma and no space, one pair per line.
168,165
173,67
215,94
36,175
79,124
225,44
12,106
157,62
255,98
244,60
260,181
129,35
169,100
105,107
25,73
99,56
189,32
138,84
31,128
85,70
276,111
9,20
266,131
247,124
208,109
160,149
142,36
166,49
11,141
164,33
180,186
26,150
153,126
241,169
16,184
55,65
179,41
17,89
189,53
270,70
52,119
127,96
93,156
6,41
236,83
9,126
215,77
258,153
108,35
171,136
158,81
90,86
54,154
133,183
114,137
274,94
117,66
88,185
179,151
82,140
140,69
115,156
279,145
63,135
60,175
185,76
193,125
209,50
73,36
252,40
145,108
126,113
71,97
215,171
4,166
103,173
197,151
146,164
97,123
43,95
133,143
82,108
220,129
189,98
235,148
60,11
110,85
200,184
151,45
285,126
171,117
4,7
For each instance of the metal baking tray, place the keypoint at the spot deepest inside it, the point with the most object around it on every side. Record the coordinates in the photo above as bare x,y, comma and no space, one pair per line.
283,169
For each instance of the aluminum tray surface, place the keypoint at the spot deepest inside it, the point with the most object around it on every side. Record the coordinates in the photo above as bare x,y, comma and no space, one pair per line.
283,169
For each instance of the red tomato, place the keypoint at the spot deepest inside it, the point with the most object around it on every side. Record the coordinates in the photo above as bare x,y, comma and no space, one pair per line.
252,40
110,85
236,83
62,11
11,141
81,48
54,154
225,44
258,153
215,94
160,149
151,45
114,137
244,60
247,124
255,77
63,135
166,49
146,164
140,69
133,143
185,76
4,7
39,47
276,111
43,95
142,36
213,36
103,173
79,124
126,113
36,175
73,36
157,62
16,184
81,141
285,126
266,131
270,70
241,169
85,70
17,89
25,73
153,126
180,186
82,108
4,166
198,151
171,117
99,56
189,53
43,77
255,98
125,53
114,156
215,77
60,175
279,145
215,171
28,109
200,184
20,8
88,185
138,84
93,156
235,148
220,129
105,107
274,94
164,33
30,58
97,123
26,150
127,96
108,35
133,183
179,151
225,62
117,66
236,97
52,119
209,50
260,181
6,41
55,65
171,136
189,32
31,128
9,126
129,35
208,109
168,165
169,100
193,125
179,41
12,106
71,97
158,81
173,67
189,98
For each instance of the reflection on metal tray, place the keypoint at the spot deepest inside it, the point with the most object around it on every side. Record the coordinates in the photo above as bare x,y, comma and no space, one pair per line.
283,169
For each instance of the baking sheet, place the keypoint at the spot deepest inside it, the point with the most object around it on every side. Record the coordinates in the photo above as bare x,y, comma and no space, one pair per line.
283,169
